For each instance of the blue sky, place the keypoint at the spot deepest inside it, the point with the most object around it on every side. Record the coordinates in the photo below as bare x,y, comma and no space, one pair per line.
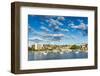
57,29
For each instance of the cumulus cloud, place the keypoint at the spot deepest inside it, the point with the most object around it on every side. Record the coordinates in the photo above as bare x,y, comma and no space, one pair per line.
61,29
57,27
38,38
45,29
64,30
71,24
31,31
82,26
30,28
55,22
79,20
35,37
57,39
61,18
55,35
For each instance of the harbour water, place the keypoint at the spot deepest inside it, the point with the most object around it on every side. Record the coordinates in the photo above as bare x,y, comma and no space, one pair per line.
42,55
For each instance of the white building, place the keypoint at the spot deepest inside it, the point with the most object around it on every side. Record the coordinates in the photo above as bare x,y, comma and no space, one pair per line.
38,46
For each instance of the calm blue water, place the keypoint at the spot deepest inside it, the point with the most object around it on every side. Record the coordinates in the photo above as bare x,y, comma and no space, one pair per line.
58,55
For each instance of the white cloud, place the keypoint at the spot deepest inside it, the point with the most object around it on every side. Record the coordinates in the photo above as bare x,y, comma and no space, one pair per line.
79,20
55,35
64,30
71,24
34,40
30,29
55,22
61,18
45,29
34,37
82,26
57,27
33,32
47,20
61,29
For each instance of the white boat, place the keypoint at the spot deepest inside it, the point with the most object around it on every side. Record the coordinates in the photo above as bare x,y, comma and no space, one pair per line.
77,52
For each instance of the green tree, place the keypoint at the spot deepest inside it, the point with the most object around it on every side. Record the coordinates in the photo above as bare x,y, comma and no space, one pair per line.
75,47
29,48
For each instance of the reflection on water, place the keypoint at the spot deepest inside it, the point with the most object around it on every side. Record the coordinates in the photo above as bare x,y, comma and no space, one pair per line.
42,55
